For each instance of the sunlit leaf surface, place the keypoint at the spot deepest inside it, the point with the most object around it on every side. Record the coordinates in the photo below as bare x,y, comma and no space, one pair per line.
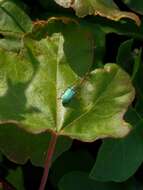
32,82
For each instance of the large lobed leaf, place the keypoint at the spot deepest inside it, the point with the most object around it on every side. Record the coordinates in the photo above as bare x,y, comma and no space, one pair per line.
13,18
119,160
20,146
32,82
105,8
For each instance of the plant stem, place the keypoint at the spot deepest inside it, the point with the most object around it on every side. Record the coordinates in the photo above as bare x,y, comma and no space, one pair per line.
48,160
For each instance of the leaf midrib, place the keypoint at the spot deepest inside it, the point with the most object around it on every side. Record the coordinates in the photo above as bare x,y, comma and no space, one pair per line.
10,15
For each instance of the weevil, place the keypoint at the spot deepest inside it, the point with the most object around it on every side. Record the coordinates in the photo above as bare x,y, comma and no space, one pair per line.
68,95
70,92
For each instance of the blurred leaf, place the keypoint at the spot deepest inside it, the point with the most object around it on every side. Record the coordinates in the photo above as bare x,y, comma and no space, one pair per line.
61,166
51,6
119,159
99,42
32,82
137,78
13,18
15,177
78,47
123,27
20,146
85,38
137,61
138,71
124,56
129,59
136,5
132,116
139,105
105,8
79,180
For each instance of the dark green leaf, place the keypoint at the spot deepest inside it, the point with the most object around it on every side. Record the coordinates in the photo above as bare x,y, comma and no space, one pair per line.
124,27
85,38
82,42
137,78
119,159
136,5
33,81
61,166
76,37
15,178
137,62
20,146
80,180
132,116
124,57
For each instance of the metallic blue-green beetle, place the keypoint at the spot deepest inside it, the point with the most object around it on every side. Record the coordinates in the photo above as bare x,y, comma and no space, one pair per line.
68,95
70,92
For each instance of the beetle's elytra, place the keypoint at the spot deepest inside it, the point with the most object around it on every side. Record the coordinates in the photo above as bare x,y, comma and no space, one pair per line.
68,95
70,92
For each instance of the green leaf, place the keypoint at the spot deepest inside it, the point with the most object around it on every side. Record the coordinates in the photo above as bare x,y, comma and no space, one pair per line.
136,5
61,166
85,38
128,59
132,116
15,177
123,27
124,56
81,40
32,82
99,42
51,6
105,8
20,146
139,105
13,18
138,70
137,62
119,159
80,180
137,78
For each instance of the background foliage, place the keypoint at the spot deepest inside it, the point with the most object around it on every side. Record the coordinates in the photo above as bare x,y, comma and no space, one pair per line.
47,45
